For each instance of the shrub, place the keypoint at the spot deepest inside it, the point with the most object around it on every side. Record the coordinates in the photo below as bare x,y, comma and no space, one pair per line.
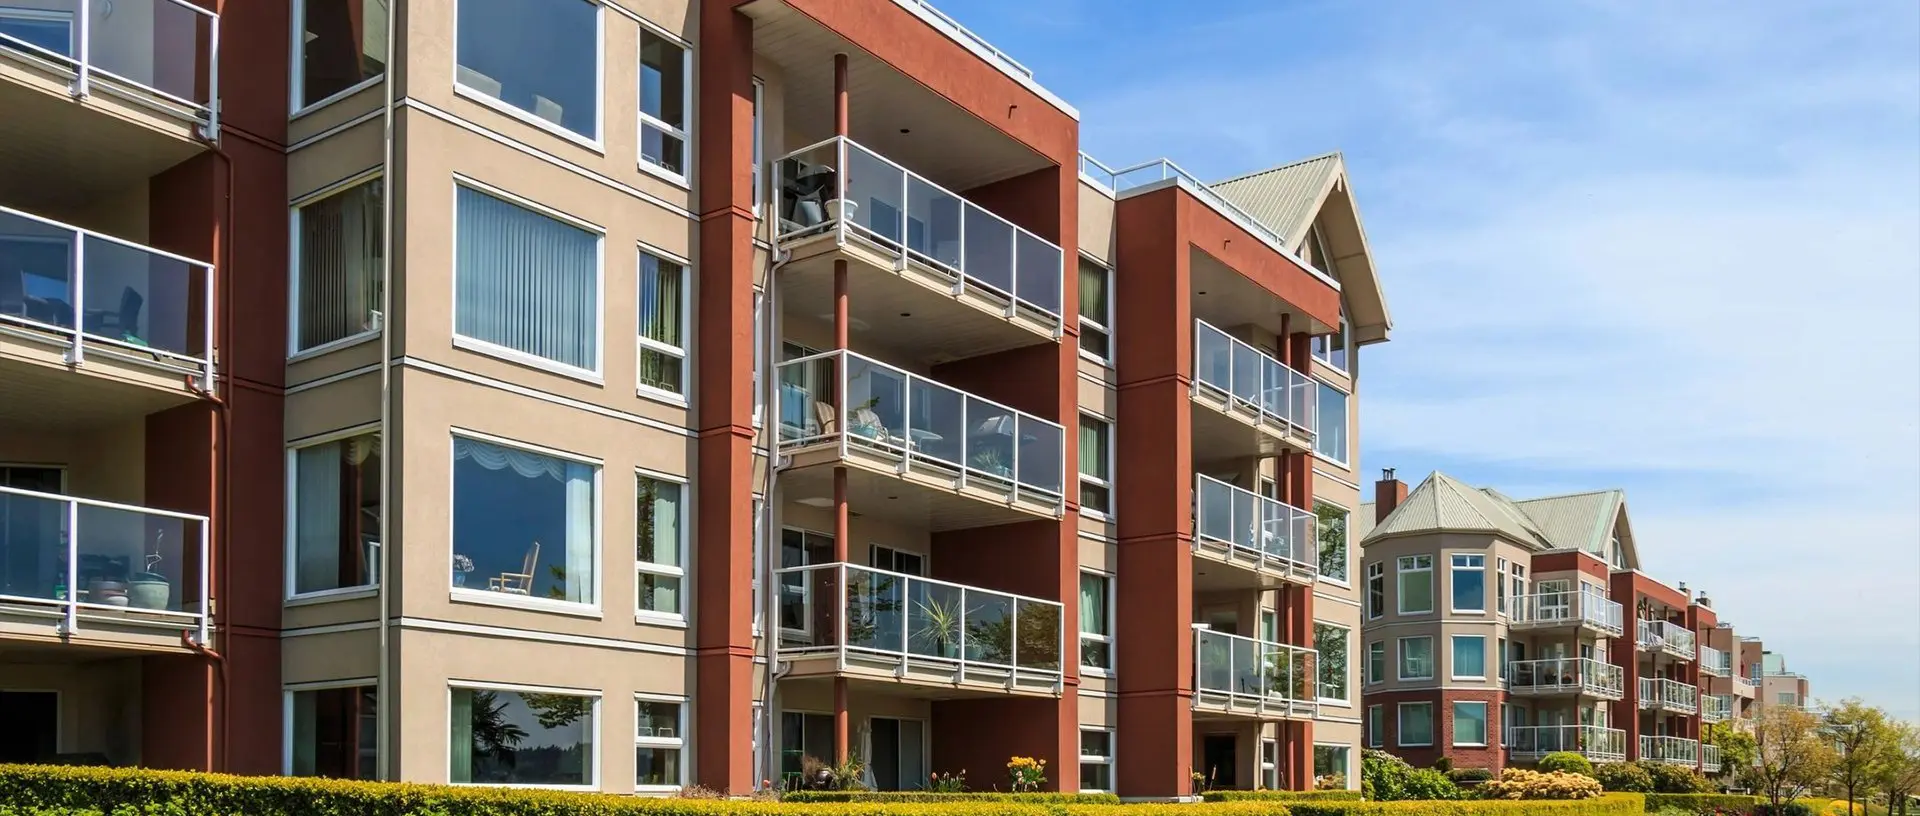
1464,775
1612,804
1517,783
951,796
1385,777
1676,778
1281,796
1566,761
1703,803
1623,777
1782,809
1443,764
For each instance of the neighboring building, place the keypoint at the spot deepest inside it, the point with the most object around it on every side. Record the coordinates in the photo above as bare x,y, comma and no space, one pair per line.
723,397
1777,686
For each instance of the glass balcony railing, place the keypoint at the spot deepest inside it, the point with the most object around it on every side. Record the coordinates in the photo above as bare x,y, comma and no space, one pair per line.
93,291
1590,741
1581,607
1231,368
1273,534
903,213
1669,695
102,560
1668,637
1710,758
919,422
1715,662
1716,707
159,52
1255,673
917,622
1671,750
1566,675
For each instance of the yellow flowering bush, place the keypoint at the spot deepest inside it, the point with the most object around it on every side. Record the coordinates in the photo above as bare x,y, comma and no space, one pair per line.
1027,773
1523,784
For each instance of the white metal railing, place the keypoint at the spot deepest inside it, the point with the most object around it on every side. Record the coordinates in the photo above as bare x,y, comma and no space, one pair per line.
1591,741
1742,685
161,53
1716,707
1263,675
1671,695
102,560
900,211
1009,62
918,421
1667,636
98,292
1272,392
1566,675
1271,533
1573,607
1714,662
1709,758
852,612
1099,173
1157,170
1671,750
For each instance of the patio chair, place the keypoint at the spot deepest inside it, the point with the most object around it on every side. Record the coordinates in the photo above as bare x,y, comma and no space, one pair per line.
518,583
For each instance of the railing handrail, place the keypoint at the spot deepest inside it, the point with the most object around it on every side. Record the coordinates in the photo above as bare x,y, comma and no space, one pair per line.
976,38
1251,347
1239,489
912,376
1583,660
104,237
1199,633
107,505
920,578
1585,604
1112,181
85,64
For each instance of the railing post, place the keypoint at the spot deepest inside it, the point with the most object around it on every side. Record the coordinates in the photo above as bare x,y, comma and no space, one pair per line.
1013,276
213,80
207,321
962,671
78,354
82,76
1013,642
72,623
206,580
840,571
840,185
966,443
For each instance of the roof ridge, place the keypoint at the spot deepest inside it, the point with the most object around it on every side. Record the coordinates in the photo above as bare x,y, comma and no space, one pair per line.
1331,154
1572,495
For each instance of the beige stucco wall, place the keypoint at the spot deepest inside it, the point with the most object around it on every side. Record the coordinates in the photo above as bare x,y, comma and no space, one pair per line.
104,463
99,703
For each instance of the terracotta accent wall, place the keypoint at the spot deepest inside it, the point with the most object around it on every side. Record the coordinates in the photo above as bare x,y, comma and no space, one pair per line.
1583,562
979,736
1028,200
1213,234
1623,652
1026,378
723,554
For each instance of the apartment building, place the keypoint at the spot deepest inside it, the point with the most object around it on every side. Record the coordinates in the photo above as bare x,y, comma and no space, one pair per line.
1501,630
1774,685
447,390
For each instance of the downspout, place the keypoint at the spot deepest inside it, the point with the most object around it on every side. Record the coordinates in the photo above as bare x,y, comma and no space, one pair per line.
383,684
770,554
223,476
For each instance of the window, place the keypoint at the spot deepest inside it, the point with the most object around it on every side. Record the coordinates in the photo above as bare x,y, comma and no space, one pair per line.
526,522
804,735
1333,540
1269,626
512,736
1469,657
1330,424
759,149
1416,724
525,282
1469,583
1469,723
334,489
337,283
1096,311
759,565
333,732
1096,465
538,58
1330,767
343,43
1519,581
892,560
1096,621
666,83
1416,658
1415,576
1786,698
1376,662
1376,590
660,546
1270,764
659,738
1096,759
1376,726
663,325
1331,641
1500,586
45,29
1499,658
1332,348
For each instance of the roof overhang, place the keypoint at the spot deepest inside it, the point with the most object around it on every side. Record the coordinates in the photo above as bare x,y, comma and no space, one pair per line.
1339,220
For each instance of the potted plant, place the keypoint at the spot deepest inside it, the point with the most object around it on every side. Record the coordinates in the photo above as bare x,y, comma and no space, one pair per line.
940,626
149,589
988,460
461,566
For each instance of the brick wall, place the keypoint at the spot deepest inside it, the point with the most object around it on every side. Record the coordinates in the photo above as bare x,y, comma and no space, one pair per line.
1492,756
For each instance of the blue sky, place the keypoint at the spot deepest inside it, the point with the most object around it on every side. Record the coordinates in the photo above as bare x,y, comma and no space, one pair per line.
1668,247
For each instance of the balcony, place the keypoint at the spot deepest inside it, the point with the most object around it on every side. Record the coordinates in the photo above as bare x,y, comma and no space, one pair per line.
1531,742
1256,406
1569,610
1710,759
93,327
914,634
937,275
100,94
1269,542
1671,696
1664,636
1566,675
1235,676
1743,686
1713,662
1671,750
1716,707
135,566
916,451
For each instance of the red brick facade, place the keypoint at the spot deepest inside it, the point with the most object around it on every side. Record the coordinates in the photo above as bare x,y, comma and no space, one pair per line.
1491,756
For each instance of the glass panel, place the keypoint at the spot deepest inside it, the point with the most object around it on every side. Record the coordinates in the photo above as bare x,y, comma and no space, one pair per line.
155,43
1040,454
875,610
516,738
51,30
1040,270
807,181
133,559
989,635
541,56
1243,657
937,428
525,281
1216,358
336,515
1246,528
933,223
1216,510
989,250
933,619
525,521
990,439
876,404
875,194
1246,374
1215,656
142,299
343,43
334,733
1039,645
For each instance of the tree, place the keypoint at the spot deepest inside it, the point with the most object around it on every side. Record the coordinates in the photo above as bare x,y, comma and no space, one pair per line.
1737,748
1898,773
1793,753
1862,738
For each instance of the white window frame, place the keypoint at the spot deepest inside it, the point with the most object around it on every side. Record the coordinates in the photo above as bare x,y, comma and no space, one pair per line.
297,71
594,143
1500,659
687,102
681,571
1112,652
1376,726
286,715
513,355
1346,768
1475,562
1400,661
1519,578
1270,763
678,743
292,522
685,354
759,146
1500,588
294,351
1376,673
480,596
1346,451
1346,547
1323,350
1107,483
759,505
1104,325
1400,569
1346,671
1486,725
1113,745
42,16
1376,571
593,781
1400,724
1453,657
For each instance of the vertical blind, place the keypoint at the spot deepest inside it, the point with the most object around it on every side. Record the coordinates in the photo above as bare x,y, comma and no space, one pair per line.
526,282
340,286
662,321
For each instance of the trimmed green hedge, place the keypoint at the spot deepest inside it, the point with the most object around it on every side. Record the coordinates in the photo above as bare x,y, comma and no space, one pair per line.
927,796
1702,802
1281,796
1612,804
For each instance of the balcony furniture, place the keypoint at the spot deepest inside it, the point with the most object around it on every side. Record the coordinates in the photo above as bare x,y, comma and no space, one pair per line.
518,583
478,81
547,109
118,324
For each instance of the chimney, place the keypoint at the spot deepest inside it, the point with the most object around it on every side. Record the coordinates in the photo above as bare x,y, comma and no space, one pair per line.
1388,493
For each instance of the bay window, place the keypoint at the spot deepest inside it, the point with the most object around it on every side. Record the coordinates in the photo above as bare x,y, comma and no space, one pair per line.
1416,658
1469,577
1414,578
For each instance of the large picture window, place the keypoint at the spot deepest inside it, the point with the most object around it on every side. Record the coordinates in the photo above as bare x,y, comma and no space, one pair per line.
1469,723
1416,725
1416,658
1469,657
342,43
1414,574
337,283
1331,642
660,552
524,523
526,282
665,85
1330,767
332,732
335,489
539,57
1333,540
1330,424
522,737
663,325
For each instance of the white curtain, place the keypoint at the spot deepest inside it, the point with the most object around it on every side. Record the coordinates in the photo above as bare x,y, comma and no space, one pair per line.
316,524
526,281
578,478
339,264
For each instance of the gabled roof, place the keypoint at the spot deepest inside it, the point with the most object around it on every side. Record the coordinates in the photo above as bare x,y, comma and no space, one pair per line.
1445,504
1578,521
1285,198
1360,522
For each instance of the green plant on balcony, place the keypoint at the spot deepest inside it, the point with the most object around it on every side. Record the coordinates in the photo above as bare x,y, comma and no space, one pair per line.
940,626
989,460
